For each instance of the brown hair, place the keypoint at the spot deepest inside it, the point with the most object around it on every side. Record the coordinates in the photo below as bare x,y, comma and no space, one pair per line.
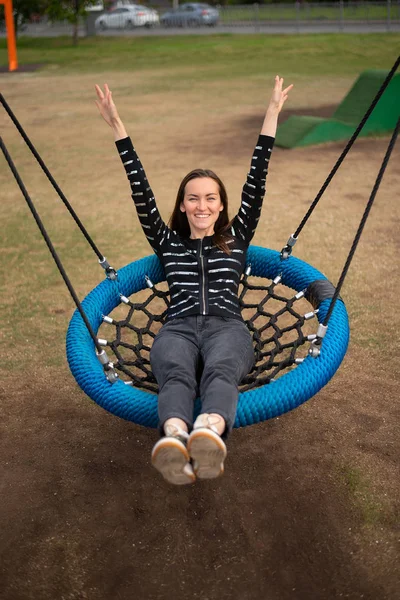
179,222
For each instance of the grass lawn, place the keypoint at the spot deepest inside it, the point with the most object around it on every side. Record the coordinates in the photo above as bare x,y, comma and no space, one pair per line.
308,504
214,57
190,71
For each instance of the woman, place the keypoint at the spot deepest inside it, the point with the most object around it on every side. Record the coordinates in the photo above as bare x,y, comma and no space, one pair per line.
204,348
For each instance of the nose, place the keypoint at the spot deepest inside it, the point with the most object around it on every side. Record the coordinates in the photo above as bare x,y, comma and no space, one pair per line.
202,204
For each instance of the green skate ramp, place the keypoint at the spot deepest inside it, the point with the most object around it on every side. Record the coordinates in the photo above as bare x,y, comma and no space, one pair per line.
306,131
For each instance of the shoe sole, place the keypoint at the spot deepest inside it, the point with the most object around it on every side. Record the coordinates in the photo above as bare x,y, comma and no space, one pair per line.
208,452
170,457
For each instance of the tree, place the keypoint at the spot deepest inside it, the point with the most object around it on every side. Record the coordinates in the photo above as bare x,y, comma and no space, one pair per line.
68,10
23,11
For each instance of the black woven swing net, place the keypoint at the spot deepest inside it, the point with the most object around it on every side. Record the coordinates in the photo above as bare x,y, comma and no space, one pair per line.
280,320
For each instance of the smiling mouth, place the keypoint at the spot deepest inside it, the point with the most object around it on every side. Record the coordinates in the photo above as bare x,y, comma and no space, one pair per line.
201,216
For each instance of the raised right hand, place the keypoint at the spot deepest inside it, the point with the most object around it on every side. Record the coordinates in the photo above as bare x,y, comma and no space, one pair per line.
106,105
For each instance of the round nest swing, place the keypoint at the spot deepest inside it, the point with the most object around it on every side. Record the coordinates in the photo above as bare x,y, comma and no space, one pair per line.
280,380
255,405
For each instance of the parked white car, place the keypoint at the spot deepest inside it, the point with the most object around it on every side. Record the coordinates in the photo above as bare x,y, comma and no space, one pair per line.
128,17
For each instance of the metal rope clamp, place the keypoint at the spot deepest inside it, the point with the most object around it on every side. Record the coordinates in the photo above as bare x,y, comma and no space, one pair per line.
111,273
149,282
110,372
287,250
315,348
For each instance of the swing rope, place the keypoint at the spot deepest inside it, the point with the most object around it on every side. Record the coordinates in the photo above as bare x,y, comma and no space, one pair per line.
363,220
110,272
287,250
101,354
316,343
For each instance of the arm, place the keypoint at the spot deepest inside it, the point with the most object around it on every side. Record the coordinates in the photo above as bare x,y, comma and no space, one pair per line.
150,219
246,221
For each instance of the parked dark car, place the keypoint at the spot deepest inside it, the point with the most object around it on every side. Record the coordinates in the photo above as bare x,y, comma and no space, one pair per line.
191,14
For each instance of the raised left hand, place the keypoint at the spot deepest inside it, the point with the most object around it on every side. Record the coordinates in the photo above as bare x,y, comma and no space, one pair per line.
279,95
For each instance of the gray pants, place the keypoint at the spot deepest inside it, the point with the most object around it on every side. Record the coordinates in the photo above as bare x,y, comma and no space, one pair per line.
202,356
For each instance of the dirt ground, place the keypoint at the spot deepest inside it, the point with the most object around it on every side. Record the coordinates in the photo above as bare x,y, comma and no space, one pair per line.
308,507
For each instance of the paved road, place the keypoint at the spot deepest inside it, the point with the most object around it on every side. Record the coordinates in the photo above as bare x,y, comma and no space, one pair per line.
287,27
271,29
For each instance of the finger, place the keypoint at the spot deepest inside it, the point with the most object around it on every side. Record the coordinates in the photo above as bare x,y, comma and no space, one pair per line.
286,90
99,91
107,90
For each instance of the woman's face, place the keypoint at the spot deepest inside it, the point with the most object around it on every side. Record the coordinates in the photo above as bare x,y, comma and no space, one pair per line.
202,205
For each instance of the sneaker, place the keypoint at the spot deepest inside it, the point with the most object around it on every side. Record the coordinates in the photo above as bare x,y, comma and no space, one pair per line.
206,448
171,458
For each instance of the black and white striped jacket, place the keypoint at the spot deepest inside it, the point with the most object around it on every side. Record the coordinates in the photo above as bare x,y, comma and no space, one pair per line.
202,279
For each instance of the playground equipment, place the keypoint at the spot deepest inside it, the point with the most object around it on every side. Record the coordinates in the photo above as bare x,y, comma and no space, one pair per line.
97,375
308,130
11,45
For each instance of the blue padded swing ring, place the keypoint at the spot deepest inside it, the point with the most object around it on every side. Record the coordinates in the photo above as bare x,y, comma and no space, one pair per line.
271,400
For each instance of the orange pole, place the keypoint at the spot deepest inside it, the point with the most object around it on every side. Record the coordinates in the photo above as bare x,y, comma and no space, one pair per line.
11,43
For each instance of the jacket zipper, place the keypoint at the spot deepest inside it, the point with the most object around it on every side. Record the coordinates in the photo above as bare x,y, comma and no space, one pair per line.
203,277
